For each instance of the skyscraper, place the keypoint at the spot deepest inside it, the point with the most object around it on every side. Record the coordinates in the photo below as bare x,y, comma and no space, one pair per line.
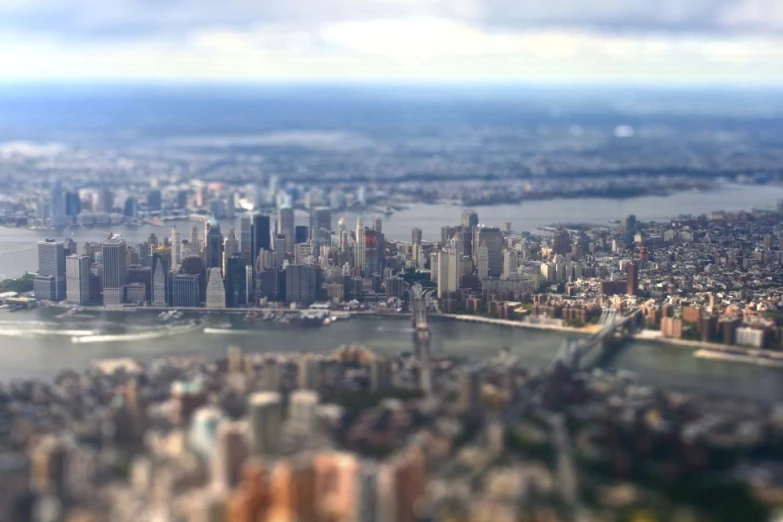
115,271
77,277
246,239
285,226
321,224
195,242
359,249
630,229
160,281
154,200
416,236
265,410
214,248
561,242
57,207
73,205
176,248
50,283
632,271
261,235
236,282
493,238
186,290
469,219
301,234
510,264
131,207
301,284
216,291
230,246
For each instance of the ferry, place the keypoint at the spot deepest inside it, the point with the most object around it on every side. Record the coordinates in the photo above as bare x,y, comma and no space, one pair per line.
170,314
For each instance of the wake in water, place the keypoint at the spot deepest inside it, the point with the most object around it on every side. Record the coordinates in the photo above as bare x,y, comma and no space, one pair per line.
33,332
226,331
143,336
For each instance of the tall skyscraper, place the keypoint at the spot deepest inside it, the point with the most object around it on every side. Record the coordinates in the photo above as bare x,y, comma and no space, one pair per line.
416,236
301,284
230,246
57,216
632,271
510,264
483,261
246,239
285,226
176,248
194,265
493,238
160,281
321,224
154,200
73,204
50,283
195,242
216,291
301,234
561,242
186,290
469,219
115,271
449,271
249,285
359,248
372,258
214,249
77,278
131,207
279,251
261,234
265,411
630,229
236,283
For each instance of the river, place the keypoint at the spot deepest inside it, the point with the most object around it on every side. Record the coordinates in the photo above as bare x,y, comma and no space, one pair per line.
18,246
35,343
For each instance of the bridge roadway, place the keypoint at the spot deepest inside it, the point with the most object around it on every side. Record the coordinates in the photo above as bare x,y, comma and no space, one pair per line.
573,350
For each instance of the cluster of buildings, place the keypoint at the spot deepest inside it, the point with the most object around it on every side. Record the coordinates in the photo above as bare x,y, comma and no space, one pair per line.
354,436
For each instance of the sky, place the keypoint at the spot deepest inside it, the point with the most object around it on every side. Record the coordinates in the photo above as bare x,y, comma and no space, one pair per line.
703,42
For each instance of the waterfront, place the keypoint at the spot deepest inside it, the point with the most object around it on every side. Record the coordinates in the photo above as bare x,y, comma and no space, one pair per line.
18,250
36,344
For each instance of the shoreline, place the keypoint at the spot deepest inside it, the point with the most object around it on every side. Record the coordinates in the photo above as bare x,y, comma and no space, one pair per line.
699,349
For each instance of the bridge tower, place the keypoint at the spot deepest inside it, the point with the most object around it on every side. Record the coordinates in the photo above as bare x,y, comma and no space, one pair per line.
421,336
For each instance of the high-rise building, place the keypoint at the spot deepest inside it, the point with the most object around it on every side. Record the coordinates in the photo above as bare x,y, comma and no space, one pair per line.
321,224
301,284
115,271
380,374
561,242
154,200
416,236
483,261
470,219
142,275
493,239
279,251
261,234
510,264
182,199
372,261
214,246
632,271
265,411
216,291
285,226
630,229
131,207
230,246
160,281
73,204
359,248
249,286
301,410
186,290
194,265
105,201
195,242
176,248
57,207
236,282
50,282
449,271
301,234
77,278
379,225
246,239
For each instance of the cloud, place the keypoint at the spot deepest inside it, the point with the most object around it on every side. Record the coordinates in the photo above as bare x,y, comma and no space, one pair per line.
563,40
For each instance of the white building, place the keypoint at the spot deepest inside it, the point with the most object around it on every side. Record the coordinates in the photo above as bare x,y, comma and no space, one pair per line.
77,279
747,336
216,290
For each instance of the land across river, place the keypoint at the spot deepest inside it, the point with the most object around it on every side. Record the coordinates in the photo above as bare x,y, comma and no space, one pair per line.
37,344
18,245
